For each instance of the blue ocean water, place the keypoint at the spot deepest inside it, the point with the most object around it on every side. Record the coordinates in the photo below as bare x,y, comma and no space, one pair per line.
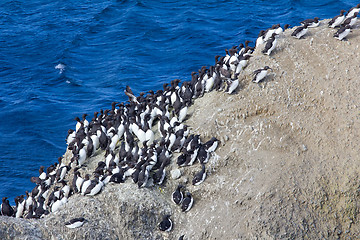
60,59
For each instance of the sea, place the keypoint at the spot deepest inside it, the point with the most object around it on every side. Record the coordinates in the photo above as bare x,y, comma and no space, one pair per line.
61,59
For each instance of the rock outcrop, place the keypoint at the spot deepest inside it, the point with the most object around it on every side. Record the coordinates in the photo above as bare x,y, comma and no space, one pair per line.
287,167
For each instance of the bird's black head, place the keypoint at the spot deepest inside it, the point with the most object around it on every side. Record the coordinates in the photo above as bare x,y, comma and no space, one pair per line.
267,67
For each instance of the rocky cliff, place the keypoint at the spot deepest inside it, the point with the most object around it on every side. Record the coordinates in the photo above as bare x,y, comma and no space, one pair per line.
287,167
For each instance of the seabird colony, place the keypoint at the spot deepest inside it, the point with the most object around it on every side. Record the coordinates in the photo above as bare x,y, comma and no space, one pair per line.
135,148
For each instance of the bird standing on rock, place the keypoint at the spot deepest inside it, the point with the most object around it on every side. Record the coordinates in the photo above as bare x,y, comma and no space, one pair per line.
300,31
75,222
350,21
260,74
311,22
232,85
211,145
187,202
270,45
337,20
177,196
6,209
260,39
200,176
352,11
342,32
130,94
166,224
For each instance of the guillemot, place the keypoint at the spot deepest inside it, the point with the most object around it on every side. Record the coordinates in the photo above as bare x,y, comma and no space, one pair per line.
352,11
75,222
6,209
300,31
337,20
311,22
166,224
342,32
200,176
350,21
260,74
270,45
177,196
187,203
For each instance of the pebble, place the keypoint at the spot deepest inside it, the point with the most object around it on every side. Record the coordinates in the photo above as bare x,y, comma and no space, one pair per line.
304,148
175,173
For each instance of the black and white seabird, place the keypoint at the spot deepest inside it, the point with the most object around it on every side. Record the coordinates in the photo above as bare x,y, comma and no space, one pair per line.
85,184
270,45
202,154
187,202
58,204
260,74
342,32
352,11
269,32
278,30
260,39
300,31
211,145
159,175
130,94
232,85
166,224
311,22
6,209
243,62
200,176
177,196
143,176
337,20
20,206
94,188
42,174
30,213
77,182
350,21
118,177
75,222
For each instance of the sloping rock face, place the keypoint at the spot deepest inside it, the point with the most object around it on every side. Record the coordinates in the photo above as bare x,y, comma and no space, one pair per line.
287,166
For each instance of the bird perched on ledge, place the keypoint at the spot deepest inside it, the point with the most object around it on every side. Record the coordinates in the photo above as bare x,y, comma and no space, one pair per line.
270,45
337,20
311,22
75,222
342,32
352,11
300,31
350,21
260,74
130,94
166,224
